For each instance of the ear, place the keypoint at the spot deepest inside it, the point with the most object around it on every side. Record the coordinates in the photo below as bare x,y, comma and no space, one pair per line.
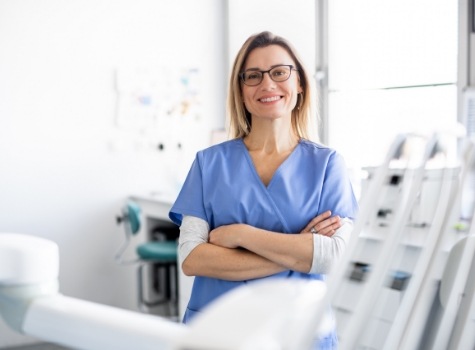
299,88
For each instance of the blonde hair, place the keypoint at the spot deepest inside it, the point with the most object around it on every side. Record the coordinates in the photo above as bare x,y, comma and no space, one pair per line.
303,119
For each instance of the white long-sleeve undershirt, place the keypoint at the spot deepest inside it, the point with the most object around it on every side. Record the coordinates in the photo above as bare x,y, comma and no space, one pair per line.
326,250
193,232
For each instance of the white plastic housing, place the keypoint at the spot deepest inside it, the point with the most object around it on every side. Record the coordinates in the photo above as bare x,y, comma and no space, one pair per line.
26,259
273,314
85,325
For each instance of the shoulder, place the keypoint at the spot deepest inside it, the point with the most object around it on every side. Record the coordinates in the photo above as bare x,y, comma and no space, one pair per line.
320,151
314,146
223,146
221,150
322,156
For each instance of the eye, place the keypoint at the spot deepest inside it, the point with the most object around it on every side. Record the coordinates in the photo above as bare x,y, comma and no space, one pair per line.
280,72
252,76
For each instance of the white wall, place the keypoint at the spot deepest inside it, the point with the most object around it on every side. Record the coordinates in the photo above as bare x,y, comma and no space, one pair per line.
293,20
65,167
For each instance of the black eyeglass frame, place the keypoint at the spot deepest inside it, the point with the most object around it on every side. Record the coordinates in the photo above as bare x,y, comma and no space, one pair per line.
291,66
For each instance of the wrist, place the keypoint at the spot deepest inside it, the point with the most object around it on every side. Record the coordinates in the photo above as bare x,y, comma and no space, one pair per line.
240,237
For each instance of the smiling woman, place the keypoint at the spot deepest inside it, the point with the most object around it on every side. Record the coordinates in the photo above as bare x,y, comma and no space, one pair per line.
269,203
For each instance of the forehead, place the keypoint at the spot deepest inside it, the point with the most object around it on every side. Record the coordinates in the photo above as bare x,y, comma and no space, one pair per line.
266,57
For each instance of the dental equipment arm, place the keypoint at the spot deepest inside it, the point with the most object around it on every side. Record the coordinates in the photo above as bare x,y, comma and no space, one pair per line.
30,303
268,315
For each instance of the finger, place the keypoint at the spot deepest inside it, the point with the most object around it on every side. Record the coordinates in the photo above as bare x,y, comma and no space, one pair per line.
318,229
317,220
330,233
328,227
328,223
323,216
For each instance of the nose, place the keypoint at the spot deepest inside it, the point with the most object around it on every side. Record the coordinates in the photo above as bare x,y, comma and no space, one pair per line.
266,79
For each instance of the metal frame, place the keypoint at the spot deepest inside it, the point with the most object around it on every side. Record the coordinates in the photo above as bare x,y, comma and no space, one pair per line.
462,335
321,68
466,50
171,271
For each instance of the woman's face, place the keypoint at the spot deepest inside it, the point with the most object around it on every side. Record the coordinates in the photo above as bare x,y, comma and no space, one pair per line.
270,99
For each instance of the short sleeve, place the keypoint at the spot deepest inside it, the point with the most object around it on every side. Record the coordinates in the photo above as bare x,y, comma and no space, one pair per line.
337,191
190,198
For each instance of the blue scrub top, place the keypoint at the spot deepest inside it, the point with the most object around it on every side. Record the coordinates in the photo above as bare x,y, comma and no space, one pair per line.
223,188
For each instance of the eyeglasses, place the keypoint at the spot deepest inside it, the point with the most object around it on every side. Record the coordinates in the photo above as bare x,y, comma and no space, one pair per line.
254,77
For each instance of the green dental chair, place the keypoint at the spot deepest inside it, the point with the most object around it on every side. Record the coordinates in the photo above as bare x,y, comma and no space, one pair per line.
157,257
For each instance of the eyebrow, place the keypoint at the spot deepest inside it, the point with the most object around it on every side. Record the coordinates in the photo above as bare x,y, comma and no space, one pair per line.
273,66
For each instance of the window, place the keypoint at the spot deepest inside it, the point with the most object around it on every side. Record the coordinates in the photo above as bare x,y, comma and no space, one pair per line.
392,67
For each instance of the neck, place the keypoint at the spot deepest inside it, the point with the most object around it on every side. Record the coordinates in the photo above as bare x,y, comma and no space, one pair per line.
271,140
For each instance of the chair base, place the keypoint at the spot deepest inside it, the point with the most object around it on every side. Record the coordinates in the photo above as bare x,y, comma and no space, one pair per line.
167,291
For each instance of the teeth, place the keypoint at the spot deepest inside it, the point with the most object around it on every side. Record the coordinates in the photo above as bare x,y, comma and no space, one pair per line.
270,99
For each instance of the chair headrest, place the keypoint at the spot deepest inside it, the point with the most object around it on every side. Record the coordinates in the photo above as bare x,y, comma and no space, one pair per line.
133,213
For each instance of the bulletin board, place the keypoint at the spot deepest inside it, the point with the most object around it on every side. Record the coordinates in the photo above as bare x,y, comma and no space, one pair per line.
148,98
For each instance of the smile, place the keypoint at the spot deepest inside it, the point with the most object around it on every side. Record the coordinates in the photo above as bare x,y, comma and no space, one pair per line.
270,99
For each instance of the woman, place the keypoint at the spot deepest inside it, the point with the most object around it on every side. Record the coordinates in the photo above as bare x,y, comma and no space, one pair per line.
261,205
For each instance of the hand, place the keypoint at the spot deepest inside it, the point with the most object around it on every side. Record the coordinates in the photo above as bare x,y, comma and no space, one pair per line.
324,224
226,236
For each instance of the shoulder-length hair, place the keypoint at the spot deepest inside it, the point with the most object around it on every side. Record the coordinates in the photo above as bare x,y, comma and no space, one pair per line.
303,119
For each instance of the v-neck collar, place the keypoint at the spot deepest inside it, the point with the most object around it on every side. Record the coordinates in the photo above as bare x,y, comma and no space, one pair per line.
253,167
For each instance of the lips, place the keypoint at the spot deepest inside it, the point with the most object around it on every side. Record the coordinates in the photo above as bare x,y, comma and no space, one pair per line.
270,99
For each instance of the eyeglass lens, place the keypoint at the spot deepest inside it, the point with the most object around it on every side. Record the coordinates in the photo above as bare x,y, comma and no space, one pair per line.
278,74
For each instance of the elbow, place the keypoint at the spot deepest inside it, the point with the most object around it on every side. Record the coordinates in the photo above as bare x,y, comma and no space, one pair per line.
298,265
187,259
187,268
304,267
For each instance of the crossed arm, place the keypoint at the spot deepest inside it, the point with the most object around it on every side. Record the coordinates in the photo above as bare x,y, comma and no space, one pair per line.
239,251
